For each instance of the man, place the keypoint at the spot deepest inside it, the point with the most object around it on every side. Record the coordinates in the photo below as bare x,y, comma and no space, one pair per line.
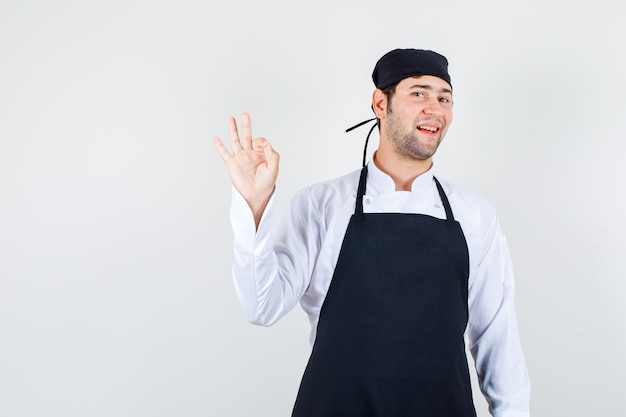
393,266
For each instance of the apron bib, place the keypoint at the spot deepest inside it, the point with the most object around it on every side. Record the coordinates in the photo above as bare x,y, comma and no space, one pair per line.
390,333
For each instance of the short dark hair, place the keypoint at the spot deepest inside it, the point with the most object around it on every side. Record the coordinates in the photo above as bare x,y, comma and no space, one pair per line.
390,91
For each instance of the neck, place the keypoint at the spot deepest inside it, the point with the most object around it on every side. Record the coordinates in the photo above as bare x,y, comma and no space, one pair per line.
403,171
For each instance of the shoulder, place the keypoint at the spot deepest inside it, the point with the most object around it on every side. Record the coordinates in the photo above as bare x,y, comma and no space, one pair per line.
470,208
324,203
464,196
333,190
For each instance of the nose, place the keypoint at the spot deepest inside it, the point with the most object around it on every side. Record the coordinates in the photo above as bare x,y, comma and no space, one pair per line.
433,107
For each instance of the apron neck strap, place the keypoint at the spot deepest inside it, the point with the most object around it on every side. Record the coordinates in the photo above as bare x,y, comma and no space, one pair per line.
444,200
361,191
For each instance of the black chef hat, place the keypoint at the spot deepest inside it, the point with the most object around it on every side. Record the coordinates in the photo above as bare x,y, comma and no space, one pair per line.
399,64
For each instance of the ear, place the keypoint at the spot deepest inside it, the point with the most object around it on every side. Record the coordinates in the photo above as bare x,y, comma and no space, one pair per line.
379,103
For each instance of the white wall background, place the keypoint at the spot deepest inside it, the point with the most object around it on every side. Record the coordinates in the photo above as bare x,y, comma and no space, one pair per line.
115,289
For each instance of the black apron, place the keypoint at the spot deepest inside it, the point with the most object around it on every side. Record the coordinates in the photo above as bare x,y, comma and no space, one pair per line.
390,333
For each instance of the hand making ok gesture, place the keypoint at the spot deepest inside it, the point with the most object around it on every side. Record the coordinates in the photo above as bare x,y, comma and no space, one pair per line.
252,166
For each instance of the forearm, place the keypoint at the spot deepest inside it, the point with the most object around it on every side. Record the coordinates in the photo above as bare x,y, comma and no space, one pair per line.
263,272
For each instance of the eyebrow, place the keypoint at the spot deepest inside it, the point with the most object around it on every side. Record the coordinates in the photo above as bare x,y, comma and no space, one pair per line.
431,88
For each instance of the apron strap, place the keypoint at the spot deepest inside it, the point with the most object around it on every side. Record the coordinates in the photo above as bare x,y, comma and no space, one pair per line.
444,200
361,192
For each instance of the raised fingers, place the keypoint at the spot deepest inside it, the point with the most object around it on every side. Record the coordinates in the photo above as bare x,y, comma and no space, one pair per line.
246,133
235,143
222,149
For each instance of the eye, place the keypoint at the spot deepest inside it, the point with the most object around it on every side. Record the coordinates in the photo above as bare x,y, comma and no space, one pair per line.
444,100
418,94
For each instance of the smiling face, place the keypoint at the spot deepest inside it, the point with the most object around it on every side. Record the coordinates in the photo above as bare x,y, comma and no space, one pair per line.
415,118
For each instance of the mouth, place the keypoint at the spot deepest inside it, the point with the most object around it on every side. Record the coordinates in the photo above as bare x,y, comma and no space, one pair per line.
429,129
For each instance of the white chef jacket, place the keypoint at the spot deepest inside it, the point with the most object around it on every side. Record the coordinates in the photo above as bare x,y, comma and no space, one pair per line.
292,259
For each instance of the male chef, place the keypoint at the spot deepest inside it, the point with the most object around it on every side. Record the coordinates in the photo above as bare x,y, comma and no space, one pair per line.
394,266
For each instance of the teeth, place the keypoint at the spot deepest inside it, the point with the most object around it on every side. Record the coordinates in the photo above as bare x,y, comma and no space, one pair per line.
431,128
